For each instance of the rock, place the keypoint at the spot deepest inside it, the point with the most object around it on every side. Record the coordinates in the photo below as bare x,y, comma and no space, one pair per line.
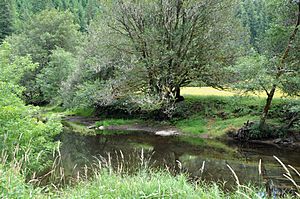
166,133
288,141
101,128
277,141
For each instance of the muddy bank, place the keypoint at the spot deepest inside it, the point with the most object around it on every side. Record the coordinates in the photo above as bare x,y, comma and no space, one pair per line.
147,127
292,141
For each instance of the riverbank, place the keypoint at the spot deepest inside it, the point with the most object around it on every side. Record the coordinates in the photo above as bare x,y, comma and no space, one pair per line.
209,117
199,116
196,117
127,166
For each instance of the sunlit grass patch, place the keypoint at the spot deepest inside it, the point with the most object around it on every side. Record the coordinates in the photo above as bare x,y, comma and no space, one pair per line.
205,91
85,112
220,127
214,128
209,91
78,128
194,125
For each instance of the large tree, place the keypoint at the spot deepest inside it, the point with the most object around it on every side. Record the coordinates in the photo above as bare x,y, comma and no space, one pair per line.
41,36
164,45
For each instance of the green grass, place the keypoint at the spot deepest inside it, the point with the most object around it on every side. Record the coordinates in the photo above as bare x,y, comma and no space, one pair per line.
86,112
78,128
116,122
105,184
220,127
112,132
198,125
215,115
209,91
149,185
193,125
59,110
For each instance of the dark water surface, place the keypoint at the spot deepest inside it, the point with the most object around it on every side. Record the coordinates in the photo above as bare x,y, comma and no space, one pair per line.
128,152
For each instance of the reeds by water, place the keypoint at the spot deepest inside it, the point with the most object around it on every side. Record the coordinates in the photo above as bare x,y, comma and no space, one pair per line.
111,177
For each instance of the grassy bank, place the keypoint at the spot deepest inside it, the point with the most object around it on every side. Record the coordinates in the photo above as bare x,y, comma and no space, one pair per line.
215,115
204,111
112,122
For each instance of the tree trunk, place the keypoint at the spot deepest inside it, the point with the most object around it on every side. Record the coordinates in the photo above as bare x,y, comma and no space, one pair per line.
178,97
280,71
267,107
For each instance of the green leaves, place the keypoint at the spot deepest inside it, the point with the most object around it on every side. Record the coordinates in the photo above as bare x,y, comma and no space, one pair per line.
13,67
7,18
252,73
41,36
50,78
19,127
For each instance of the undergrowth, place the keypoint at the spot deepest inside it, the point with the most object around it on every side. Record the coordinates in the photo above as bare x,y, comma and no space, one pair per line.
216,115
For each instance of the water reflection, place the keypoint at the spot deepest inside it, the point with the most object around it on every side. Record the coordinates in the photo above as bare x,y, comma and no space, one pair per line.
128,152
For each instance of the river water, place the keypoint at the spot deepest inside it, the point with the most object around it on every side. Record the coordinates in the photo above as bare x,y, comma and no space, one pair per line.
199,158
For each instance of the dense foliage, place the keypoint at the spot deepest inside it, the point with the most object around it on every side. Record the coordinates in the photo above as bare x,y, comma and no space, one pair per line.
134,57
7,18
140,53
274,62
49,32
22,134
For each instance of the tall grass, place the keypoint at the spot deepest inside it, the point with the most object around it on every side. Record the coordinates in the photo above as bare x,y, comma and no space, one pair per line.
108,181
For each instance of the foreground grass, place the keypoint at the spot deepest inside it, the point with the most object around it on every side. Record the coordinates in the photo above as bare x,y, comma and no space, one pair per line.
112,185
108,184
149,185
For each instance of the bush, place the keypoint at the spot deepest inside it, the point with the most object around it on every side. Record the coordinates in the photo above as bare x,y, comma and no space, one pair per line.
20,128
21,132
51,76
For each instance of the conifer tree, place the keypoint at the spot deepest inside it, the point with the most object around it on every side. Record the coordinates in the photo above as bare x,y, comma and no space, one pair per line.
6,18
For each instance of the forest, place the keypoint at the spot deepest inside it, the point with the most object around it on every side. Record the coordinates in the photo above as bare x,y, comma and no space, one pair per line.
149,99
